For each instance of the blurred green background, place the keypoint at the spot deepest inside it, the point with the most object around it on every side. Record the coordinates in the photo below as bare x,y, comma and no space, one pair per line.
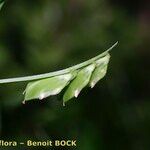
46,35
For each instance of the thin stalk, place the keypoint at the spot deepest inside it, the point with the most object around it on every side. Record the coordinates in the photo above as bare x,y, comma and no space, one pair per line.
1,5
56,73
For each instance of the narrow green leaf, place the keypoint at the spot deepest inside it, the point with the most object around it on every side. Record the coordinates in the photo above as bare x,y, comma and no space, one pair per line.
82,80
100,70
47,87
1,4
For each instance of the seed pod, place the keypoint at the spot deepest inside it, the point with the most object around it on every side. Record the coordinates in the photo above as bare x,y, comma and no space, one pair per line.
82,80
47,87
100,71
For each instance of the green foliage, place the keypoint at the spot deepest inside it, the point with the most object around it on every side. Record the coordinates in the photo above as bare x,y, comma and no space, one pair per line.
76,78
44,35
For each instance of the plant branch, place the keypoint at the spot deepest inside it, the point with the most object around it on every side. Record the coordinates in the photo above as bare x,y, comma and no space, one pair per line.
51,74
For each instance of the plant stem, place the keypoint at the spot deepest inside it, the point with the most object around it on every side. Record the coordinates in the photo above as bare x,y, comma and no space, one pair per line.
56,73
1,5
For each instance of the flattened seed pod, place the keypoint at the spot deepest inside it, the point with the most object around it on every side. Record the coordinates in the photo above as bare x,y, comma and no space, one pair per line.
100,70
47,87
82,80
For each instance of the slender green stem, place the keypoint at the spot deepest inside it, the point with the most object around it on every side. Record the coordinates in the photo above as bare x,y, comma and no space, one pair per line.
51,74
1,4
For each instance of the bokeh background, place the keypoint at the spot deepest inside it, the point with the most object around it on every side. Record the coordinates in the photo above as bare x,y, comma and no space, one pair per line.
46,35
